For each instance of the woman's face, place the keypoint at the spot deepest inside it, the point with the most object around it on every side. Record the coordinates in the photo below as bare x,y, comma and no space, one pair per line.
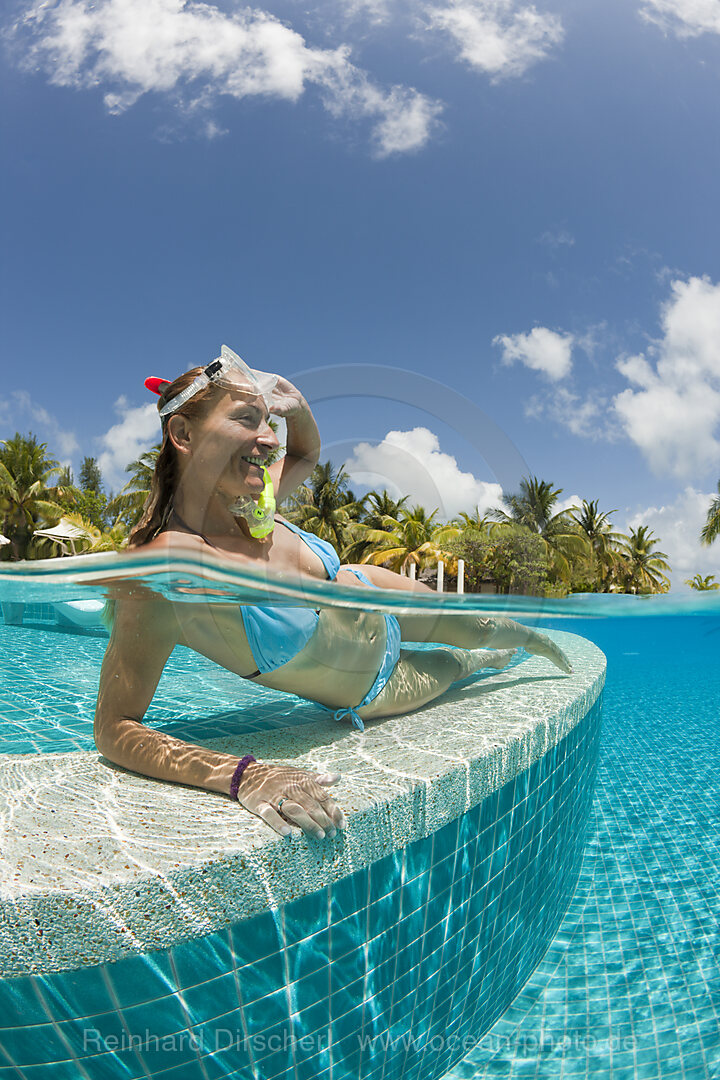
227,447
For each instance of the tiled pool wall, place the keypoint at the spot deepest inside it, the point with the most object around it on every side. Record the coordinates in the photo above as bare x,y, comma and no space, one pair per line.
394,971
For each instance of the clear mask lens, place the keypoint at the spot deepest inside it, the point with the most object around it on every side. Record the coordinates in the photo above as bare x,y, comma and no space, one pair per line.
227,370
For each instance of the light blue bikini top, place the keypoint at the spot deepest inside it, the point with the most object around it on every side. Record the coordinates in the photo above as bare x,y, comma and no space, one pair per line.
276,634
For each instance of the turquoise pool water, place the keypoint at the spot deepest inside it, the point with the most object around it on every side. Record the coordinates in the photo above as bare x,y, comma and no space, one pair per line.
630,985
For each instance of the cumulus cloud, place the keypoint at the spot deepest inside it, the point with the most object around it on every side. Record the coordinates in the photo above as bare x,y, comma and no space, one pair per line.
125,441
500,38
412,463
677,525
671,410
541,349
685,18
19,409
195,53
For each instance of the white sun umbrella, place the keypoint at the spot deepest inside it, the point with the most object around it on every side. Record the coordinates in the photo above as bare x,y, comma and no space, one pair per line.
66,535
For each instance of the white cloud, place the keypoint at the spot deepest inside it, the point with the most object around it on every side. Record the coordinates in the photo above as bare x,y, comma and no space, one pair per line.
671,411
686,18
195,52
588,417
677,526
498,37
19,409
412,463
540,349
138,429
557,238
572,502
374,11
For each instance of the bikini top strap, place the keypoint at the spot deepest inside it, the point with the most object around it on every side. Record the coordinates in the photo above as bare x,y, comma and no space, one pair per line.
193,532
324,551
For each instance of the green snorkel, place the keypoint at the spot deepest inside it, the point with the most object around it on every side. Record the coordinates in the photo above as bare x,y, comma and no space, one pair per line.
260,514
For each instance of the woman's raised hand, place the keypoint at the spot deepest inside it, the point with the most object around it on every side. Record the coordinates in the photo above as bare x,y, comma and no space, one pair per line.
290,800
286,398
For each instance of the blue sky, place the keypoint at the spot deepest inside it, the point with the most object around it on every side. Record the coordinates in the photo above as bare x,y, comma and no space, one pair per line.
518,201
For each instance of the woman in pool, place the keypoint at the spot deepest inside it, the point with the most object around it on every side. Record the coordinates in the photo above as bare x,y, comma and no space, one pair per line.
216,439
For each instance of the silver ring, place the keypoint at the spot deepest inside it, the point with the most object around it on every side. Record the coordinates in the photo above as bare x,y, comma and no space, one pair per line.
280,802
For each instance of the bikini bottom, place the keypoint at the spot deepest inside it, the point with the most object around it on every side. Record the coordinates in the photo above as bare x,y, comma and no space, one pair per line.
390,659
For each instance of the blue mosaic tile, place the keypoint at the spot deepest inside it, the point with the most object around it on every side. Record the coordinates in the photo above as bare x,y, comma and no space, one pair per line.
200,959
136,979
210,999
306,916
34,1044
262,978
385,875
268,1012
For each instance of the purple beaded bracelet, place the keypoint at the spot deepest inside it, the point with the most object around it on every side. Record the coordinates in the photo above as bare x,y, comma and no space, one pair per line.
237,775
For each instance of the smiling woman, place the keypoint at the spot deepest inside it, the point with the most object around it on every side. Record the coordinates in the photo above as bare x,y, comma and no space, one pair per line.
209,483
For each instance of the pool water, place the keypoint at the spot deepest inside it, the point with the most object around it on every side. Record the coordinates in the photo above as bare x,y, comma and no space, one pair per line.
630,985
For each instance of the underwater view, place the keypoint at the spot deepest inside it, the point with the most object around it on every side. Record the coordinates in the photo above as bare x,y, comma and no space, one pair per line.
505,927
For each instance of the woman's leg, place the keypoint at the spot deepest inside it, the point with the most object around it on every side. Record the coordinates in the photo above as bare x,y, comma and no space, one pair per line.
422,675
464,631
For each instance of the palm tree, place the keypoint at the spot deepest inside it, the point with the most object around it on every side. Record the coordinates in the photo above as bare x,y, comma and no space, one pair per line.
473,521
711,528
381,515
325,505
26,494
381,511
703,584
603,540
532,507
643,570
415,538
127,506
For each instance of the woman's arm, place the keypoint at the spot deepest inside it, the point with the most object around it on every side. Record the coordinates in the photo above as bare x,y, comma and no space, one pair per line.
303,439
143,637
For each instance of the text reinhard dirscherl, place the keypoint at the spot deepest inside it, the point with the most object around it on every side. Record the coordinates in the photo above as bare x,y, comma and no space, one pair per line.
521,1044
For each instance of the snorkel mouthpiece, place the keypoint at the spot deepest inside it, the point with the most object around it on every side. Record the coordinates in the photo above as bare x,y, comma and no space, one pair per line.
260,514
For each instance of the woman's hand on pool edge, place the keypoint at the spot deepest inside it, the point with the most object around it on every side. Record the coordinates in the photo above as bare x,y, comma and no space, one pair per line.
302,797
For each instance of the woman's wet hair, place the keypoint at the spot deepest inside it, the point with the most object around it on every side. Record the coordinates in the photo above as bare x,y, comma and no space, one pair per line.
158,504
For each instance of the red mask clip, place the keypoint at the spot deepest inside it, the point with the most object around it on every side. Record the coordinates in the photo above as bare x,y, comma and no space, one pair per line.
155,385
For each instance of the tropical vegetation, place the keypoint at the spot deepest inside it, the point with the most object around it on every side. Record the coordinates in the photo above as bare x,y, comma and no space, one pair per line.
711,528
530,543
28,495
127,506
703,584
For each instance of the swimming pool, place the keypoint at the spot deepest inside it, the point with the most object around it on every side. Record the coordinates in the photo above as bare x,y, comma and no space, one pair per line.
628,985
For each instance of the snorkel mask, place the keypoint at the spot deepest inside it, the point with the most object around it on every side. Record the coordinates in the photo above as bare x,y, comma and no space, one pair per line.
230,371
227,370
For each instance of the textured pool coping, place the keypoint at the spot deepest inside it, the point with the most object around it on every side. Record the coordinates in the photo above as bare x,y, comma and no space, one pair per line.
98,863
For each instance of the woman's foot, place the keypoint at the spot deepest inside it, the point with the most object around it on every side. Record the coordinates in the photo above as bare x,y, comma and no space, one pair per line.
472,660
543,646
